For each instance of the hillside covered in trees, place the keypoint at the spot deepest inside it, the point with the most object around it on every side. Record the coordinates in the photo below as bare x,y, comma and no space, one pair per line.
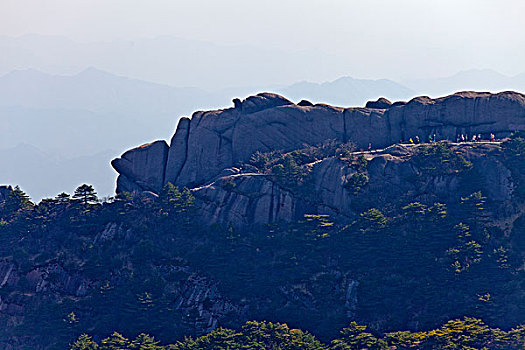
404,267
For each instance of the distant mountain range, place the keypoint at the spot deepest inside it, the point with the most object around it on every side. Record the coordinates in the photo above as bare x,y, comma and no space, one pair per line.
170,60
90,111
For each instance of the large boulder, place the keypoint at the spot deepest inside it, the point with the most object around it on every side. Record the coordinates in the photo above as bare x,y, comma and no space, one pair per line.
381,103
220,139
142,168
261,102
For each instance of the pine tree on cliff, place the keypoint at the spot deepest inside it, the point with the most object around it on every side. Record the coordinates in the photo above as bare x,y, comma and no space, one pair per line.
86,194
63,198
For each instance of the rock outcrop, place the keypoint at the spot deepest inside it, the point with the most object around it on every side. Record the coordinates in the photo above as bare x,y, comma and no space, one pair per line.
204,146
142,168
381,103
211,141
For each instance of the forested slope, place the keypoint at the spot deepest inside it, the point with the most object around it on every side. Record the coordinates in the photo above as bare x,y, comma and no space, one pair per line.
147,263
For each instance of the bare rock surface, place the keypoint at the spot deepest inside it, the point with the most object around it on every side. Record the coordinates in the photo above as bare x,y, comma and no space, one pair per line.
142,168
380,103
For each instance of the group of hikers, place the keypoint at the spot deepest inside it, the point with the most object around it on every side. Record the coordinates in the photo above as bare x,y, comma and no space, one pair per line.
416,140
459,138
433,138
474,138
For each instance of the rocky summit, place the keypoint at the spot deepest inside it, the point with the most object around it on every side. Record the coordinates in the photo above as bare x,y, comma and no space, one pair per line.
211,153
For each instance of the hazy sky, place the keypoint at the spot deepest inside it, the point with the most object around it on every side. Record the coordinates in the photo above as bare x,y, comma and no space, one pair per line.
385,38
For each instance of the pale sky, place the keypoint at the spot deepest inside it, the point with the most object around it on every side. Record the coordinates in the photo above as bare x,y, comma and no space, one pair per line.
385,38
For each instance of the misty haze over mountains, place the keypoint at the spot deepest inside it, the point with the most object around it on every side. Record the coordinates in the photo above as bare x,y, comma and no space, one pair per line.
170,60
67,109
474,79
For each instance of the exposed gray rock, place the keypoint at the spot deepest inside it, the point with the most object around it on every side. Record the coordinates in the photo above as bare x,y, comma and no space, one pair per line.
203,296
213,141
461,113
262,101
142,168
351,297
111,231
54,278
237,103
124,184
381,103
244,200
8,275
398,103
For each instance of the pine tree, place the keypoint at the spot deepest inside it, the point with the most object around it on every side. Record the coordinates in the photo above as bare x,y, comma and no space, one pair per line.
63,198
169,198
86,194
17,203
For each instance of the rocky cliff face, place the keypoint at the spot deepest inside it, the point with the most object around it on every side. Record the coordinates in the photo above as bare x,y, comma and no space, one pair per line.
245,199
210,142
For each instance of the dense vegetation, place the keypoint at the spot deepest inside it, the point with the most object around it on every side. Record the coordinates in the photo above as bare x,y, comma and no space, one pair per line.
139,263
468,333
291,169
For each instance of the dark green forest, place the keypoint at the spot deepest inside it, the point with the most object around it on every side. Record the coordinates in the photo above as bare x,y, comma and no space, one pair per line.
405,275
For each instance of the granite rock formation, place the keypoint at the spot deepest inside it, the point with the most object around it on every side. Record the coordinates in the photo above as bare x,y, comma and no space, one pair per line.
205,150
142,168
381,103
